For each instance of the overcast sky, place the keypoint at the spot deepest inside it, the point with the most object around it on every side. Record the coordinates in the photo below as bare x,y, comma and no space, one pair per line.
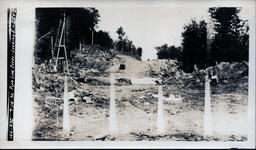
150,26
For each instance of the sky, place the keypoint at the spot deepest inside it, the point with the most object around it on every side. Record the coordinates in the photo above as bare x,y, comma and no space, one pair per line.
150,26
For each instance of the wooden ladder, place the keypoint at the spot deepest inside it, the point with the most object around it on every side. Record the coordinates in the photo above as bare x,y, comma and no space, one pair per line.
61,45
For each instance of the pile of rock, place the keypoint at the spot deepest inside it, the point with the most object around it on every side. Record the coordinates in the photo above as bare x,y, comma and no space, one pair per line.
232,71
224,72
123,81
92,57
95,81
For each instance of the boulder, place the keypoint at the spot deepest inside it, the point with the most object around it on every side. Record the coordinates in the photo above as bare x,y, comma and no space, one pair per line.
245,73
146,103
71,96
122,67
123,81
88,100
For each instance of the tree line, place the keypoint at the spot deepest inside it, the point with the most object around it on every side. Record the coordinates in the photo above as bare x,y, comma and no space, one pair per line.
229,41
81,25
125,45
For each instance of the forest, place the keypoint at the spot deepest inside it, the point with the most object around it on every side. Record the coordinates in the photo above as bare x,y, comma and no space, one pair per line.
80,29
229,41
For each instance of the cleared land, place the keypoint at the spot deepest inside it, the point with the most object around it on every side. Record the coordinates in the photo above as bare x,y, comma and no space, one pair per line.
136,105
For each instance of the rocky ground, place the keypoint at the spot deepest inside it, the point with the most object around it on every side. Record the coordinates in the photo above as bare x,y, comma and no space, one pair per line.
136,105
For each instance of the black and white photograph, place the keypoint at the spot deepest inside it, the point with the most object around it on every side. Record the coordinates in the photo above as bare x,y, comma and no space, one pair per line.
92,80
152,71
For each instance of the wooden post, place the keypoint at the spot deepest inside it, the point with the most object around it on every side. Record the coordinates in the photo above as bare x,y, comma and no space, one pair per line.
209,32
52,47
207,109
92,36
66,59
160,113
83,45
80,46
112,109
207,100
66,121
57,116
35,75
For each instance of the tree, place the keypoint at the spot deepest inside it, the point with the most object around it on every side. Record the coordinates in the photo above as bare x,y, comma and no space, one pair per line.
139,51
125,45
103,38
162,51
121,42
82,21
120,33
194,45
175,53
166,52
79,22
230,43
